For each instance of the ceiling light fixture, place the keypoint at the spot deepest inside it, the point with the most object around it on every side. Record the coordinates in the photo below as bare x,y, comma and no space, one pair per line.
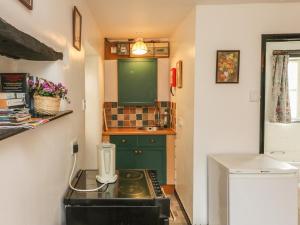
139,47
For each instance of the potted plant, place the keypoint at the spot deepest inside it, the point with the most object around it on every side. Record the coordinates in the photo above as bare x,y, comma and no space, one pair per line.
47,96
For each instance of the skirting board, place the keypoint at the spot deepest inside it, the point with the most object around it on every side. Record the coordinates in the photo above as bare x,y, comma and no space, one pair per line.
182,208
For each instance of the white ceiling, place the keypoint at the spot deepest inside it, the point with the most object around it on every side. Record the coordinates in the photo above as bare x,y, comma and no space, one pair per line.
148,18
145,18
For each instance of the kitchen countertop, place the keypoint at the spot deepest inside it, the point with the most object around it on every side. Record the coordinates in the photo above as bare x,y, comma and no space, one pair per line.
136,131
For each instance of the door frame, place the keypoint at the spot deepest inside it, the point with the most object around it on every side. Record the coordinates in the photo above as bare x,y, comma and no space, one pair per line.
264,40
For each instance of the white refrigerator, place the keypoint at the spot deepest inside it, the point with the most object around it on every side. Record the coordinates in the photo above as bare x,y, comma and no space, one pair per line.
251,190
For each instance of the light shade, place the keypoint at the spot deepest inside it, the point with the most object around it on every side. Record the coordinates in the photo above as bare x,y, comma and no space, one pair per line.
139,47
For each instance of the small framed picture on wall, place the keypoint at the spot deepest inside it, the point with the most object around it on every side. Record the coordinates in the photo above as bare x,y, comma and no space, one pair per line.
27,3
77,27
179,73
228,66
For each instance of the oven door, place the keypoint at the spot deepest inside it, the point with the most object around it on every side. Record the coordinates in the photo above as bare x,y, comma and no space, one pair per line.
112,215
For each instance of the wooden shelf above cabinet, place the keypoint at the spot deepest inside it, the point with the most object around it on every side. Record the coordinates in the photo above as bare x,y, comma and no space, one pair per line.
156,49
19,45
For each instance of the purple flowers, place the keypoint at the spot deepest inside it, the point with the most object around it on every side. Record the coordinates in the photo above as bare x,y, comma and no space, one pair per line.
48,88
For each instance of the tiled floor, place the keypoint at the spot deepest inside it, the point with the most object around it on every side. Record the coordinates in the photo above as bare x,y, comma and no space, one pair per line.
177,212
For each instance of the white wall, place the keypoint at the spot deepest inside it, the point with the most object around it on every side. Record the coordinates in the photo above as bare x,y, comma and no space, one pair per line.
35,165
225,120
111,80
94,95
183,48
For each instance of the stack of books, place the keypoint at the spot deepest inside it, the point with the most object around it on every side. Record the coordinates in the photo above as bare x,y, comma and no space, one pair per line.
14,90
12,100
14,117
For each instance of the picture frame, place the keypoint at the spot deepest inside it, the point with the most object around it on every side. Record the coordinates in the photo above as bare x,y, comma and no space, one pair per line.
179,73
113,50
27,3
228,66
161,49
77,29
123,48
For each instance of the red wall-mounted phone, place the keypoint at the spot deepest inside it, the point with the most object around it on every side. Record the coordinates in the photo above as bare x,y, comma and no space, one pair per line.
173,78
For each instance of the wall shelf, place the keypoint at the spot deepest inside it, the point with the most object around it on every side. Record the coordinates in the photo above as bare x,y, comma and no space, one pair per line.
6,133
19,45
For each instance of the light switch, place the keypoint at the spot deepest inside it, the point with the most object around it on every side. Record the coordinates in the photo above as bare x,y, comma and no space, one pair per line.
180,122
254,96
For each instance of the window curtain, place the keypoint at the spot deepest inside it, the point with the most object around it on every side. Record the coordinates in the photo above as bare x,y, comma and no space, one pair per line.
280,104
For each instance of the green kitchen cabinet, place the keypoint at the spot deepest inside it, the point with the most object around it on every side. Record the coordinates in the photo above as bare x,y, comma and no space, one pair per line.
141,152
137,81
126,158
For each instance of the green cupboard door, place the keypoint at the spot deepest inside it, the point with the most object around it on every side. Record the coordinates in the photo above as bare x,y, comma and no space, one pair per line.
126,158
137,81
153,159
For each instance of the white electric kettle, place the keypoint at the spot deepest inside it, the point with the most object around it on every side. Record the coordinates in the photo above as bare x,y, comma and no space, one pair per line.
107,163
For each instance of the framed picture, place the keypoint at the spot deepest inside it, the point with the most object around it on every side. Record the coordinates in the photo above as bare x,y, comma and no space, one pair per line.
179,73
27,3
228,66
77,23
161,49
123,48
113,49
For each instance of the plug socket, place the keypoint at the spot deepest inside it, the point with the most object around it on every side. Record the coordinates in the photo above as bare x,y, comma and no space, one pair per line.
75,147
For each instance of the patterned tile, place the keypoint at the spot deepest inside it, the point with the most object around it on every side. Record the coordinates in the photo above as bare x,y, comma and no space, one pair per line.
137,116
132,116
114,111
120,111
139,123
120,117
139,110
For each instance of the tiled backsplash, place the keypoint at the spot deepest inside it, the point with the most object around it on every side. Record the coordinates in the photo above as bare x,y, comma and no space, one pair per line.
136,116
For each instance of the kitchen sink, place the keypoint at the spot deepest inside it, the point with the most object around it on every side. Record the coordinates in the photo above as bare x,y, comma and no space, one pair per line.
151,128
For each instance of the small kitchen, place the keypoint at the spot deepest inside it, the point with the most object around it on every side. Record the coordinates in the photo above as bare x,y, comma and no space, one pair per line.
139,116
136,159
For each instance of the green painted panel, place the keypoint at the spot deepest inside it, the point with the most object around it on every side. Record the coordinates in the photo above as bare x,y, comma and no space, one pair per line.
126,158
154,159
124,140
137,81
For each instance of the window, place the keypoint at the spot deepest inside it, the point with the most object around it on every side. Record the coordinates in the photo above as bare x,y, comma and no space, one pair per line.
294,91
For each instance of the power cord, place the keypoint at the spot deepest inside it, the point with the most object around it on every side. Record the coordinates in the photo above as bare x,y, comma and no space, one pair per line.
81,190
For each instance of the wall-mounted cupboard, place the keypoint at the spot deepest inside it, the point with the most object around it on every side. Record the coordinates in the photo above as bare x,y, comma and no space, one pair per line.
137,81
111,80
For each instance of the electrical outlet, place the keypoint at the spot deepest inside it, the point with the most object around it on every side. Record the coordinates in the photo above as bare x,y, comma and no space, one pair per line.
74,147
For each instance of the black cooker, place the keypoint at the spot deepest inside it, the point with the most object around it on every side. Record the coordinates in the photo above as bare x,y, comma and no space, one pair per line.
135,199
